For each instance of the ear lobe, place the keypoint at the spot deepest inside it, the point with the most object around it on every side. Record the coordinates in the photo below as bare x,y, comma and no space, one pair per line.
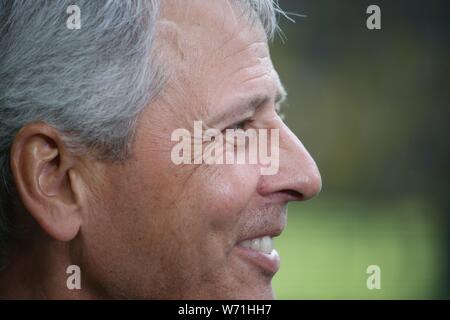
40,164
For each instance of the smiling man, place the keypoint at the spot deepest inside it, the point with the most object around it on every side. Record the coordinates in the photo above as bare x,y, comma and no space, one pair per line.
86,118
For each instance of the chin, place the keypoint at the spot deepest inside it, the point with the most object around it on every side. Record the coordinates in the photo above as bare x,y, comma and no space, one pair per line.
261,293
258,289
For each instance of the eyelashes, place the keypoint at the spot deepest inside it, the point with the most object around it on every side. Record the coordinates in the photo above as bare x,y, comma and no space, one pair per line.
240,125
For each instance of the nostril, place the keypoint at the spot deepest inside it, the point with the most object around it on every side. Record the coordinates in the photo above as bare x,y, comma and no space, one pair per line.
293,195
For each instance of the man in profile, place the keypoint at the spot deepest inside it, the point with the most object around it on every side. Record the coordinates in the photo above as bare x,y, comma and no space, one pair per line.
87,179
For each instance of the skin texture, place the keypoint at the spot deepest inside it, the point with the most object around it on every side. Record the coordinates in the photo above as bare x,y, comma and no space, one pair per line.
148,228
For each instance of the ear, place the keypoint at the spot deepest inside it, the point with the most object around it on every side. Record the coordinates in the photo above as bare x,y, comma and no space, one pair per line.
46,180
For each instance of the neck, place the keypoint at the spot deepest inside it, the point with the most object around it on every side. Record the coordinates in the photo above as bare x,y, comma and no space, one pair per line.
39,272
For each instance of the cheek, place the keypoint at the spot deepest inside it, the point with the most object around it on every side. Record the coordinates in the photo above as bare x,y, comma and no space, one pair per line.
224,191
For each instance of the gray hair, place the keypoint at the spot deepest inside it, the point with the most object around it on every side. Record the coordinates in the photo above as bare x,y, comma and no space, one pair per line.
90,84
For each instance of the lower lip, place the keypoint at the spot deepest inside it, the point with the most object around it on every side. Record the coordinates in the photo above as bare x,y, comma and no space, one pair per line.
268,262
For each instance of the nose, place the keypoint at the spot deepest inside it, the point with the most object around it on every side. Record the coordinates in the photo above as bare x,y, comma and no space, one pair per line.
298,177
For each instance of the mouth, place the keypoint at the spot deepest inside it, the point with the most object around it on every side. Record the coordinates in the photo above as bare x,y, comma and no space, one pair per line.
260,253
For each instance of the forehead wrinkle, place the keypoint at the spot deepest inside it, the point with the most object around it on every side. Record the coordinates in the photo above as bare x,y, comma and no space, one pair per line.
245,101
259,44
258,70
247,57
248,63
181,95
233,45
238,40
262,97
248,99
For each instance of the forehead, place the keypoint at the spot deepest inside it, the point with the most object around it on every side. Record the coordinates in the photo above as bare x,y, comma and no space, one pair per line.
212,18
197,29
217,48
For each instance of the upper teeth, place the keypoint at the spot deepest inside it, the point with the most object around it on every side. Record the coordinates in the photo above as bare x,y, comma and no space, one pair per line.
263,244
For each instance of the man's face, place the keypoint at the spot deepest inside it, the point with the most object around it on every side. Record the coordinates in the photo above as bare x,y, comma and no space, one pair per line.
160,230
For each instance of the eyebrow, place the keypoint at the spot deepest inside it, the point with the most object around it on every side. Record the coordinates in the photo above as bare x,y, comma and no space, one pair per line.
250,104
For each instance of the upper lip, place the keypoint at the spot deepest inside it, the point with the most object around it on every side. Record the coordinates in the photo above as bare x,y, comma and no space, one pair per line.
267,223
267,231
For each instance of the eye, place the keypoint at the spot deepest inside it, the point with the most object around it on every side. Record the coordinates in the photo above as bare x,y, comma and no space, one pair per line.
241,125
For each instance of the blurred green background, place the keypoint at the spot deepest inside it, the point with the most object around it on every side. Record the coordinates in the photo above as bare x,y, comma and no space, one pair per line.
372,108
